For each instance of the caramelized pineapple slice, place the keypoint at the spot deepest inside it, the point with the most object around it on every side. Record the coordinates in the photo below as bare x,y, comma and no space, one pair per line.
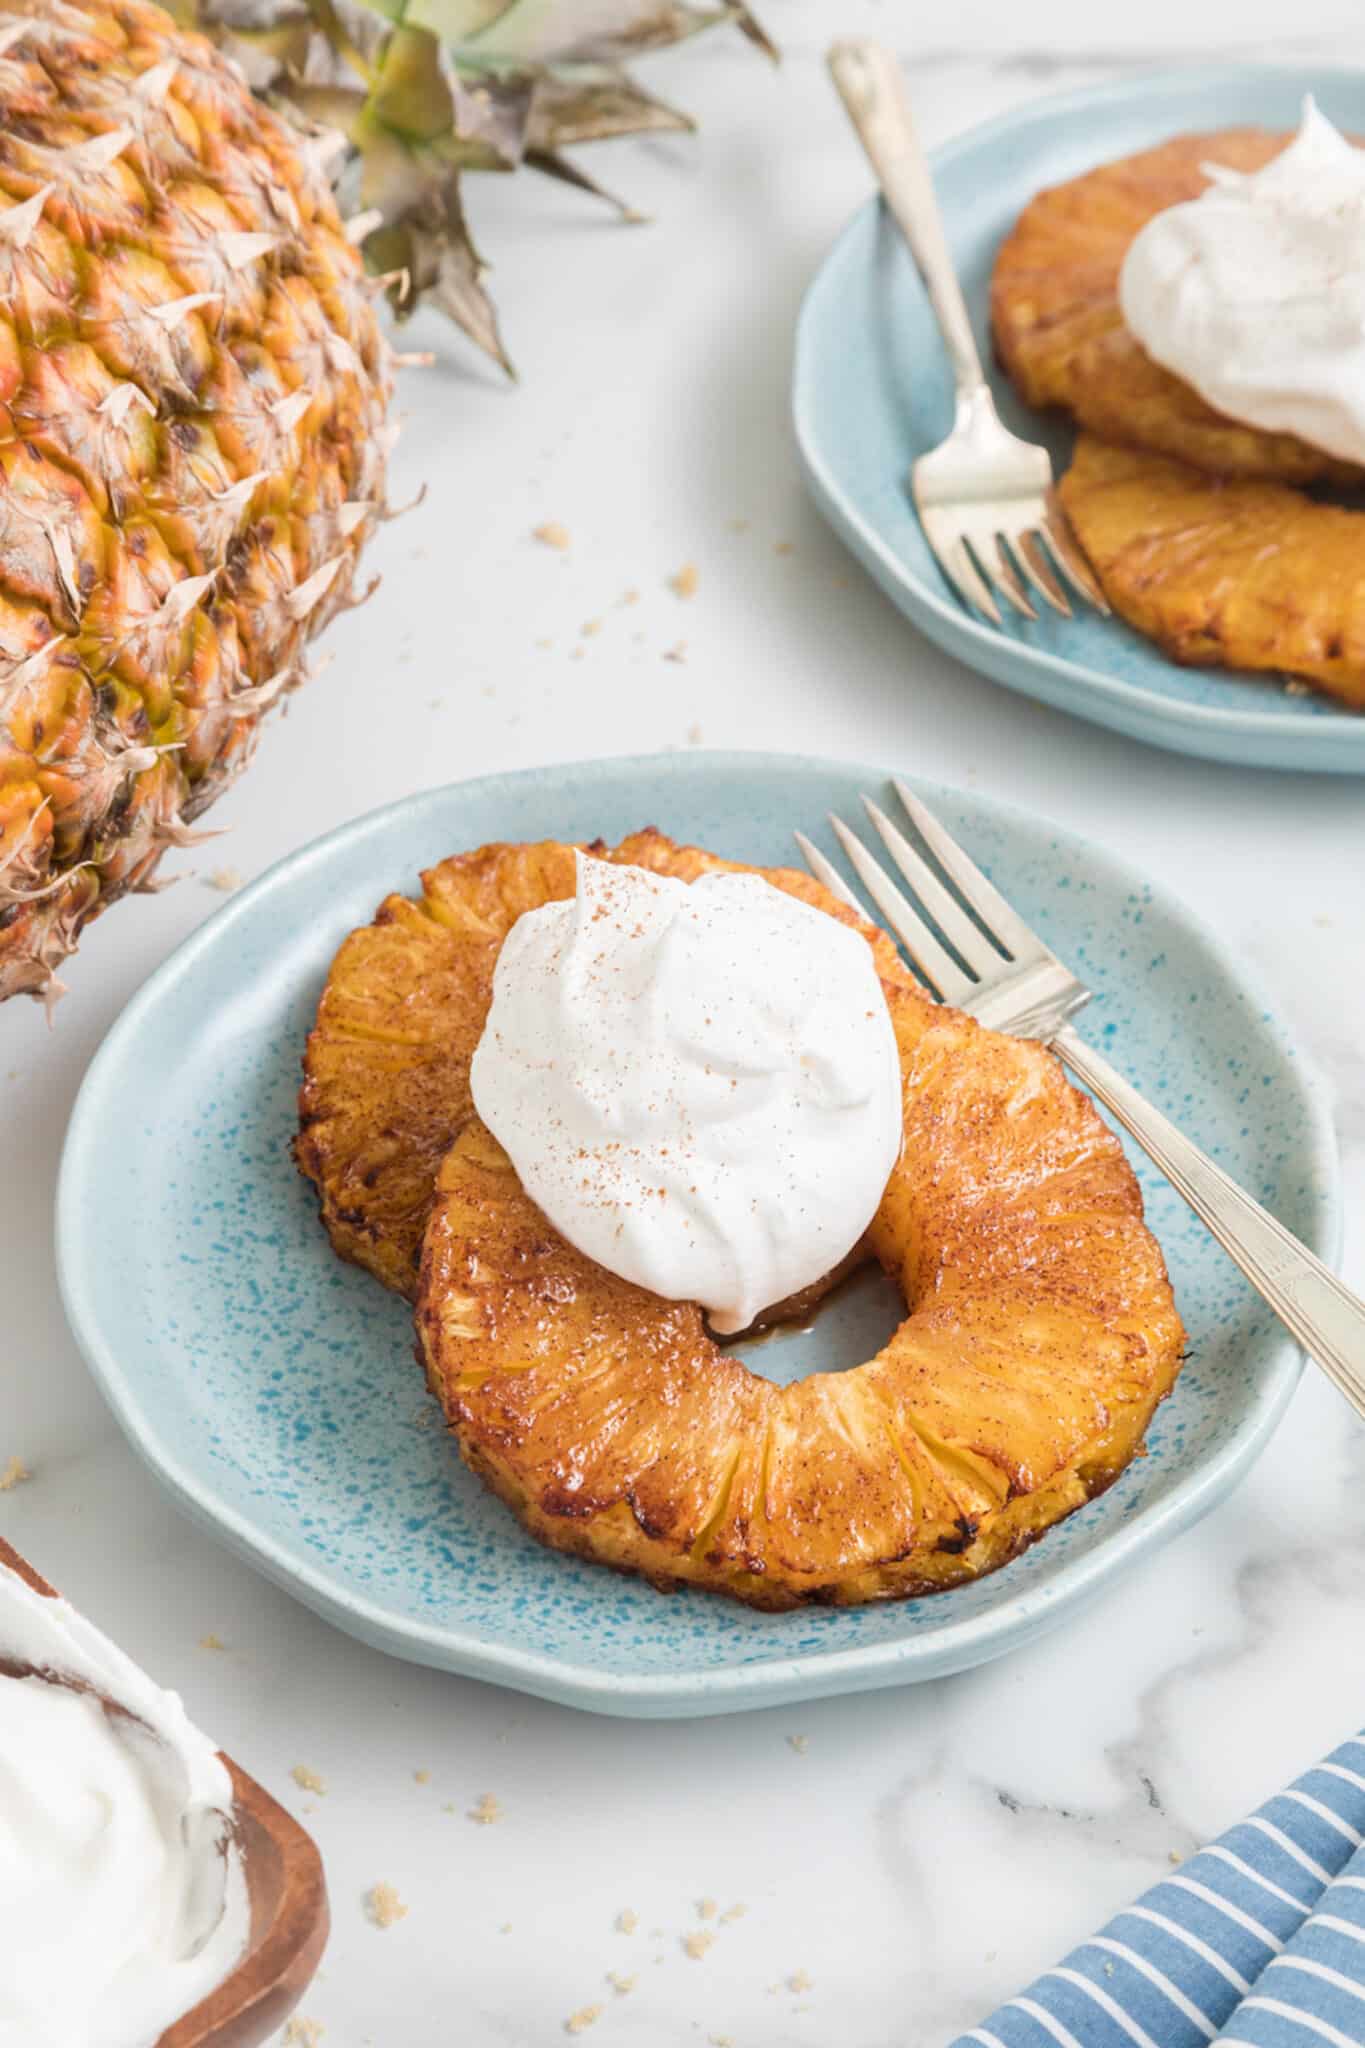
1233,575
1039,1336
386,1070
1061,336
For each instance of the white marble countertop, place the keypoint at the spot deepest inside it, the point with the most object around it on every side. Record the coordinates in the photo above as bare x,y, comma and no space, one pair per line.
916,1854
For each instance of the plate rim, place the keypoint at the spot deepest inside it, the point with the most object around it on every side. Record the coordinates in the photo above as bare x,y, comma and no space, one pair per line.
808,1673
1246,737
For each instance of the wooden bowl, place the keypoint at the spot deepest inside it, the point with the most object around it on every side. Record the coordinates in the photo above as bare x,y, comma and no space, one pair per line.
287,1895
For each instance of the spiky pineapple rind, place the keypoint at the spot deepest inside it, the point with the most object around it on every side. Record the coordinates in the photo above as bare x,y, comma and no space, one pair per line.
192,447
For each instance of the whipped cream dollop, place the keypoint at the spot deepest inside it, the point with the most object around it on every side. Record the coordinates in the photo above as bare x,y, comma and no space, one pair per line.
122,1897
1254,293
698,1083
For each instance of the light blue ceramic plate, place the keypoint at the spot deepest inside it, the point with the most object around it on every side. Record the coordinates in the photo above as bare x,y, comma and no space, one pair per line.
273,1390
872,391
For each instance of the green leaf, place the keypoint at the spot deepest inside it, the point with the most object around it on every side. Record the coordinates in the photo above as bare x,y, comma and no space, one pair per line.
491,116
533,34
434,250
555,166
424,89
461,18
411,92
590,106
330,106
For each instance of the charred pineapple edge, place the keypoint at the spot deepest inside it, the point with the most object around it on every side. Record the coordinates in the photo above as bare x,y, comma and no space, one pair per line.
616,1536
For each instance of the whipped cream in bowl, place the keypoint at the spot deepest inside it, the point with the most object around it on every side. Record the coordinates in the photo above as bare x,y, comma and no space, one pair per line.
123,1899
1254,292
698,1083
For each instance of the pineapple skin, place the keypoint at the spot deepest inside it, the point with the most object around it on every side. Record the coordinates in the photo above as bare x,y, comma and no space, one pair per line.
193,388
1061,336
1039,1337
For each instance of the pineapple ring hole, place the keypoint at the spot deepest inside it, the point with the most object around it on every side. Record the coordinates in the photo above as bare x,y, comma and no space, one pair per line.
850,1325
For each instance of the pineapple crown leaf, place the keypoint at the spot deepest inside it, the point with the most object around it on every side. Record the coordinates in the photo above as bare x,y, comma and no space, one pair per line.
530,35
423,90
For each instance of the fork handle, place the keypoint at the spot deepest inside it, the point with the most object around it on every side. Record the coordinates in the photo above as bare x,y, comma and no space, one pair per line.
872,88
1325,1317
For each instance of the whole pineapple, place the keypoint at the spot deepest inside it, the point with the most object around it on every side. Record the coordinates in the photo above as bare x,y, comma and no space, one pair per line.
192,396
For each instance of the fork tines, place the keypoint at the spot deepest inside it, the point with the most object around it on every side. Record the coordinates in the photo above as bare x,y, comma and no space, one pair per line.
965,942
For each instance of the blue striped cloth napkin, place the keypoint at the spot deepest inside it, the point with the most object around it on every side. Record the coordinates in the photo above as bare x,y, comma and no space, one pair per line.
1259,1939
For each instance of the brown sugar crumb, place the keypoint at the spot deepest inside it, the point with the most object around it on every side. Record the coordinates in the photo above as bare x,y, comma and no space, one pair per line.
619,1984
576,654
212,1642
590,627
1176,1856
800,1743
552,535
698,1943
785,547
383,1905
731,1914
627,1921
694,735
421,1777
684,583
737,525
678,651
799,1981
226,879
487,1811
707,1908
629,597
721,2040
14,1474
302,2033
308,1780
586,2016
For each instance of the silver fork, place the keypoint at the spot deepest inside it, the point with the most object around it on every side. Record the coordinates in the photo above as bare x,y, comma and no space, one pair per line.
984,496
995,967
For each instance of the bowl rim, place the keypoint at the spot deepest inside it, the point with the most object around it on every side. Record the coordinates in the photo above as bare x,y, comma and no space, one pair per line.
699,1688
273,1971
1211,729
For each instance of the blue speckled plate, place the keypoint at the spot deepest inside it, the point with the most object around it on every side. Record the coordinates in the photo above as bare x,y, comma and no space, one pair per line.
872,391
273,1390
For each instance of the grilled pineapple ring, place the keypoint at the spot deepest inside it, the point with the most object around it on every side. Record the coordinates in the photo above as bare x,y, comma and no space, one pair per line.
1061,336
1235,575
386,1070
1040,1334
